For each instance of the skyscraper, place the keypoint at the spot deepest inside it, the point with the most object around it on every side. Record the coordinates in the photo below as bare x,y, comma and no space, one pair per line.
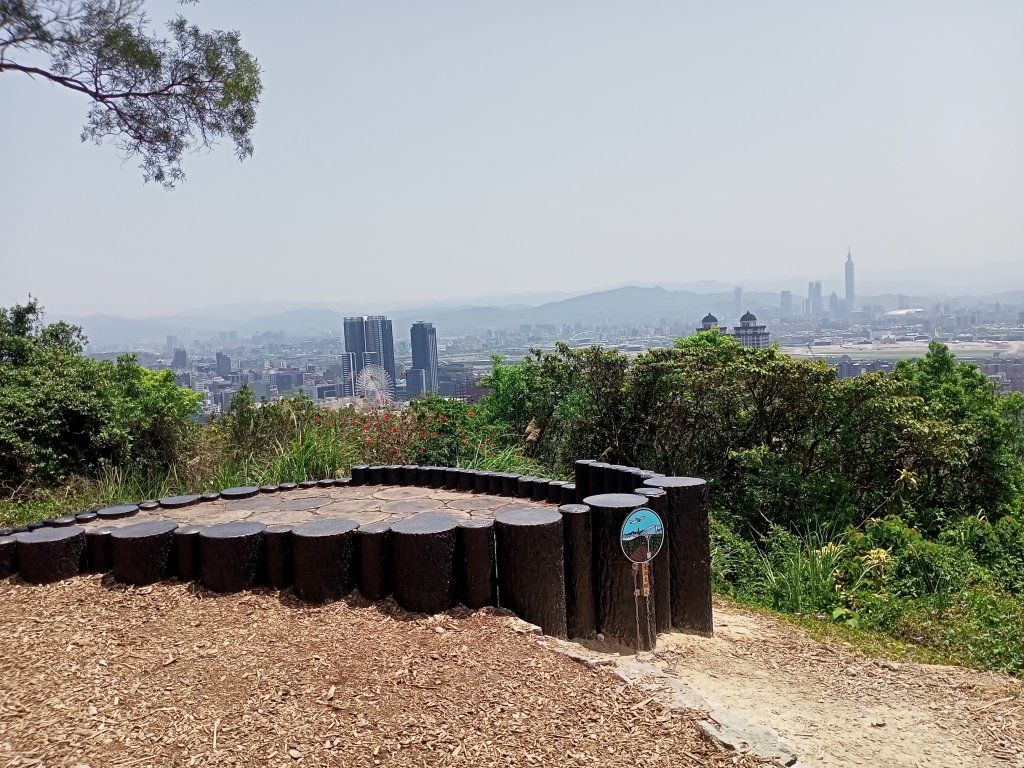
355,342
786,304
814,297
380,341
850,292
424,353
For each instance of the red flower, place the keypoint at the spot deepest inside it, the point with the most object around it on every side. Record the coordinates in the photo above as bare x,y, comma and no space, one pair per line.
394,429
465,441
376,424
443,417
385,417
423,435
365,427
355,421
471,414
394,450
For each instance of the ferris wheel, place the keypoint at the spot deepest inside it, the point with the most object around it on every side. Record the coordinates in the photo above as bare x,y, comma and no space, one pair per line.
374,383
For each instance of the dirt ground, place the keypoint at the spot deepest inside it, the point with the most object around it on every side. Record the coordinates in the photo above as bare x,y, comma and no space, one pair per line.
95,674
836,707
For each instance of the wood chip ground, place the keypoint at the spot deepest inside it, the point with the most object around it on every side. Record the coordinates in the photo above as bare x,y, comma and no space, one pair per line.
95,674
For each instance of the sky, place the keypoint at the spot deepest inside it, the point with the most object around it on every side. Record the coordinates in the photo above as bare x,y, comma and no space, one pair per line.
411,152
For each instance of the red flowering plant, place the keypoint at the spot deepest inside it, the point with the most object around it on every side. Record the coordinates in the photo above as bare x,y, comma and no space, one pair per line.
388,437
448,432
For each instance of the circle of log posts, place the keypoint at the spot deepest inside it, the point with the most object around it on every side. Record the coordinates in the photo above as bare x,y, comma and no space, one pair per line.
509,484
186,553
97,549
278,542
423,553
142,552
407,474
359,474
467,479
689,542
46,555
524,486
622,610
323,558
451,478
569,493
477,566
8,556
540,489
661,576
481,481
375,570
437,477
375,474
393,474
580,616
231,555
531,566
494,481
555,491
423,476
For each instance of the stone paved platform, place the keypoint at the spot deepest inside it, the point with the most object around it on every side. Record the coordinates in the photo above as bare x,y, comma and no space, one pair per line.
363,504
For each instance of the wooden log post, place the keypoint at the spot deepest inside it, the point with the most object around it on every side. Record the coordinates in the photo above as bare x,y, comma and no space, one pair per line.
494,482
117,512
531,566
555,491
231,556
509,484
278,542
524,486
423,476
359,474
46,555
374,556
451,478
481,481
97,549
393,474
179,502
375,474
407,474
143,553
540,488
624,613
661,575
688,533
582,480
323,557
233,494
569,494
580,607
477,567
438,476
8,556
423,552
186,553
467,479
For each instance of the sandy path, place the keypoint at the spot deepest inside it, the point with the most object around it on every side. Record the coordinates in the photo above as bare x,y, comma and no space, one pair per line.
837,707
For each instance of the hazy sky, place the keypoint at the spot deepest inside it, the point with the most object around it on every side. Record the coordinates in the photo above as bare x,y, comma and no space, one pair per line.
427,150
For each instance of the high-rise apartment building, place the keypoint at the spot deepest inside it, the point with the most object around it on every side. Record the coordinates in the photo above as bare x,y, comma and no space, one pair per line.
355,341
180,362
814,298
223,365
372,342
850,290
786,304
424,354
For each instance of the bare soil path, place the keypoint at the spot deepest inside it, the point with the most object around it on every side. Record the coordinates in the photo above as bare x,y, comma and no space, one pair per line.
836,707
95,674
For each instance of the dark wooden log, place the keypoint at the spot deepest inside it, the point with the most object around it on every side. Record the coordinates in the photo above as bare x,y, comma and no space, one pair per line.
580,606
510,484
597,474
278,541
186,553
271,488
34,526
555,491
524,486
142,553
374,556
231,556
477,563
467,480
98,558
375,474
323,559
688,533
423,476
494,481
407,474
359,474
307,484
326,482
582,479
661,574
342,482
481,481
63,522
423,551
569,494
451,478
624,614
47,555
393,474
86,517
240,492
531,566
177,502
438,476
211,496
540,488
117,512
8,556
147,506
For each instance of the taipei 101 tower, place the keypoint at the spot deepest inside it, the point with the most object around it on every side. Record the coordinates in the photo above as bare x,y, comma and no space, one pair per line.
850,292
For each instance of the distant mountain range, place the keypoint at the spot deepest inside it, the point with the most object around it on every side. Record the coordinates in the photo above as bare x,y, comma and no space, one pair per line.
630,305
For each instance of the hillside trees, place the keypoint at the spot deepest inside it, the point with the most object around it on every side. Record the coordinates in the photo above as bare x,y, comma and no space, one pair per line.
155,98
63,414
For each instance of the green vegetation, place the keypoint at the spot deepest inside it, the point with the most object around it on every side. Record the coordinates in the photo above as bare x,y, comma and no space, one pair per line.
878,507
155,98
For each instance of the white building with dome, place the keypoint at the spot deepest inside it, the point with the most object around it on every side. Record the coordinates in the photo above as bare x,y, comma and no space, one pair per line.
748,332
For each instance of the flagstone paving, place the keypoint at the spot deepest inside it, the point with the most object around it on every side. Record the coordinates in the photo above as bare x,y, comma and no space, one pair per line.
364,504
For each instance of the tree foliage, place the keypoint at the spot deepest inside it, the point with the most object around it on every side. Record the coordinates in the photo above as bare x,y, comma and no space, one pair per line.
155,98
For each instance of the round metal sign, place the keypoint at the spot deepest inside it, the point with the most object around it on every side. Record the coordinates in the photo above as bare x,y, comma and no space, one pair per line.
642,535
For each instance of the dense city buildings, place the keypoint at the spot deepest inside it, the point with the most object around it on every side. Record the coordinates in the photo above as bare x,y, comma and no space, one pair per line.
423,339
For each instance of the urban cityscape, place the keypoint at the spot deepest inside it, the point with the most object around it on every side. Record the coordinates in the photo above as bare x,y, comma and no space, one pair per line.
366,362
